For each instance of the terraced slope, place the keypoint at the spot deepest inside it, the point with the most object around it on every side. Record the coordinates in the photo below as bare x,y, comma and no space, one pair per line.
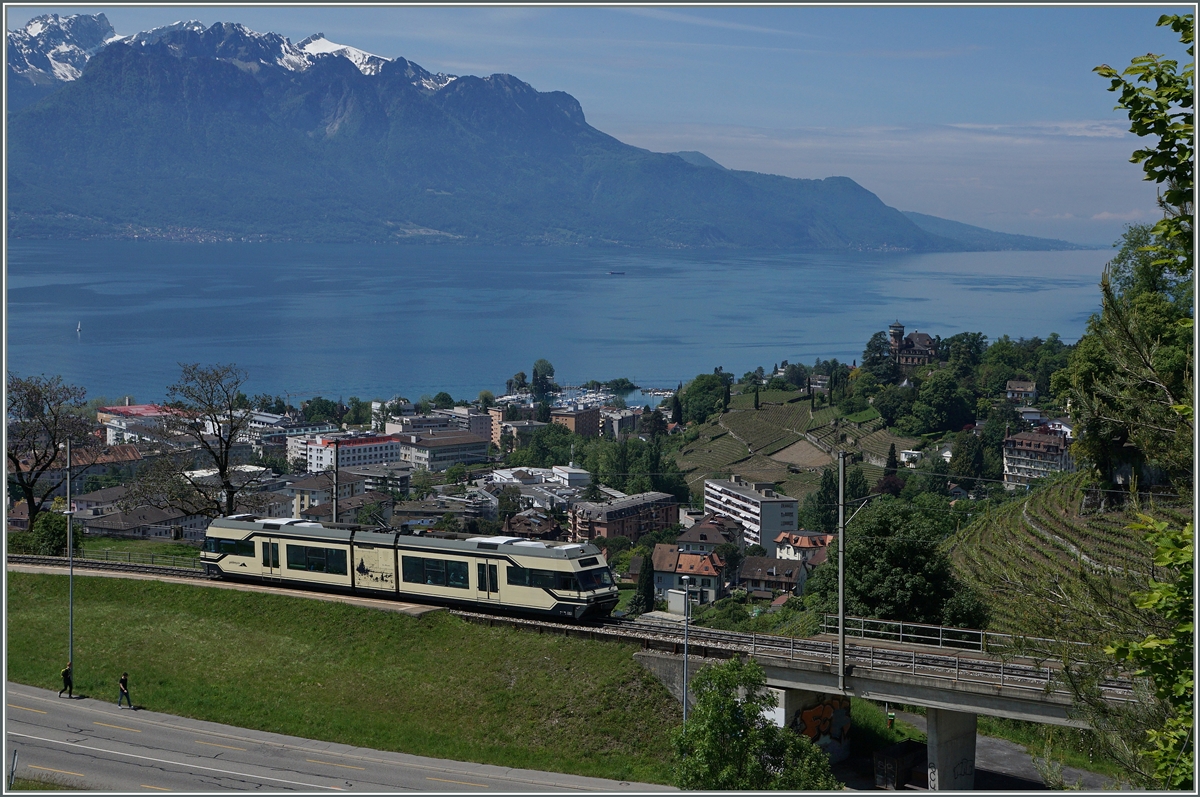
1048,565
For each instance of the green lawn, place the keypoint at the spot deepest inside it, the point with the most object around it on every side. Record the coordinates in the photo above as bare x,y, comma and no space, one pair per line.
434,686
155,547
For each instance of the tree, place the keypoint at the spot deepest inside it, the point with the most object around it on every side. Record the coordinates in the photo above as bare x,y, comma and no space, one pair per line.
48,534
730,742
701,397
1168,660
541,412
456,473
204,478
856,484
509,503
1163,108
1133,369
543,379
653,424
889,469
819,510
878,360
359,411
676,409
645,585
895,569
43,413
756,396
732,556
486,399
966,463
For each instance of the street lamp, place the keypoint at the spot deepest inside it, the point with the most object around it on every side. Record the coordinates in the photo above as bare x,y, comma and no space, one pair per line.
70,564
686,606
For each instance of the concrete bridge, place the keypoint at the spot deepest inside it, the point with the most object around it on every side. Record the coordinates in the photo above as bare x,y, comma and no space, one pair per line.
953,685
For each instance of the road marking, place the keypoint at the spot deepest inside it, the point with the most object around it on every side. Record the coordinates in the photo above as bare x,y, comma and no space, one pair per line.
172,763
459,782
119,727
330,763
59,771
227,747
23,708
160,788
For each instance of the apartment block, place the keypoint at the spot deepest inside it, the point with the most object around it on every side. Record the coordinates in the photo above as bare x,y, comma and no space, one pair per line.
763,513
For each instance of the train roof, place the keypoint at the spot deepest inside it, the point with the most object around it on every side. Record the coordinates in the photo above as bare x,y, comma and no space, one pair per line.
290,527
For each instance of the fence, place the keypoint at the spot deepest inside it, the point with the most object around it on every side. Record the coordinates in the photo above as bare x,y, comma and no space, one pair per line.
940,636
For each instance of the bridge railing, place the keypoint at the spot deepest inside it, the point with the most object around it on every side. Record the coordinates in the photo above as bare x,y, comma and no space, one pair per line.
942,636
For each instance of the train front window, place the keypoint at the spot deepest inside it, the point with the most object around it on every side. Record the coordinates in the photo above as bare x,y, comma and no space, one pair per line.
596,578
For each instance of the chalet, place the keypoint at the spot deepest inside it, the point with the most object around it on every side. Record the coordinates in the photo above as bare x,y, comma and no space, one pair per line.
705,572
763,573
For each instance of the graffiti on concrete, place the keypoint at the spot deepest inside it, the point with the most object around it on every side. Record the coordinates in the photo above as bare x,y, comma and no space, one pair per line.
827,723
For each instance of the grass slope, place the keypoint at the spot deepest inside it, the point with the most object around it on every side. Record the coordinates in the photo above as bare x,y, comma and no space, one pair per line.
434,686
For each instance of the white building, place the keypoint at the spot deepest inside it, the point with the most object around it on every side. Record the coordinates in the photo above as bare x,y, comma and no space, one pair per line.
763,513
1035,455
325,452
468,419
439,450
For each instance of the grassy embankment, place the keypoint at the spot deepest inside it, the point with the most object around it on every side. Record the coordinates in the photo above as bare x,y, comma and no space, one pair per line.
435,686
97,545
749,442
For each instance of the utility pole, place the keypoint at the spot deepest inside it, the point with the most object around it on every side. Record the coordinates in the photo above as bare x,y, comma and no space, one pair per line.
335,479
842,571
687,590
70,569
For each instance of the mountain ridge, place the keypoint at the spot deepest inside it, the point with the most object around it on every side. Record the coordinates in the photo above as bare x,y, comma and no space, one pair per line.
222,132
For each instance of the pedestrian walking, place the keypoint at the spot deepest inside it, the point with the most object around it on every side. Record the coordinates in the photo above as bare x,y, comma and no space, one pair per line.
68,681
123,684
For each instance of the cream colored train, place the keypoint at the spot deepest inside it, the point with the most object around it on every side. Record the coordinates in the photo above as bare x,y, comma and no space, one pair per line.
508,574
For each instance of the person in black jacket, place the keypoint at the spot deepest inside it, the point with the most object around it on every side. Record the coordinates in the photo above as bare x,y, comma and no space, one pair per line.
68,681
123,684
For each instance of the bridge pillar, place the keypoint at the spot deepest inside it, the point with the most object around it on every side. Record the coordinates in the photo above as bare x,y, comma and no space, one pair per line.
823,718
951,749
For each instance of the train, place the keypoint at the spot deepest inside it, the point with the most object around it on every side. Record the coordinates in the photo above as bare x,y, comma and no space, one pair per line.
500,574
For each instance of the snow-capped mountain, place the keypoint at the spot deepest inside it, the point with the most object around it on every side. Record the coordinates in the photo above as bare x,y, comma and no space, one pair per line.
54,48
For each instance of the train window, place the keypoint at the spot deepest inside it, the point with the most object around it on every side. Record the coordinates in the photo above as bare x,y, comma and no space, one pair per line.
488,578
435,572
518,576
316,560
591,561
547,579
270,554
597,578
230,547
566,581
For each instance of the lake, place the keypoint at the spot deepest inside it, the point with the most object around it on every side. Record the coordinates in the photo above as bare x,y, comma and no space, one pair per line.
378,320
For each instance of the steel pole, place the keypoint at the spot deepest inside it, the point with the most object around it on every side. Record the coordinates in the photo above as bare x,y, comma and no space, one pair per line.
70,571
842,571
336,486
686,617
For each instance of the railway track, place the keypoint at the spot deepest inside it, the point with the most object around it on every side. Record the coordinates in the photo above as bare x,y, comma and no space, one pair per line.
935,663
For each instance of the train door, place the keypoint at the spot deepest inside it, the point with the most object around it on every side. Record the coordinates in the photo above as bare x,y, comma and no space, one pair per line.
487,582
270,560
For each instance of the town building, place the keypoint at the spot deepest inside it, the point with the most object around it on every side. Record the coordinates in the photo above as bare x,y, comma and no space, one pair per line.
468,419
766,574
508,413
437,451
325,452
85,461
705,535
98,502
378,506
583,421
520,432
1035,455
410,424
803,546
1017,390
762,512
532,524
147,522
383,476
915,348
616,422
318,489
631,516
119,422
705,572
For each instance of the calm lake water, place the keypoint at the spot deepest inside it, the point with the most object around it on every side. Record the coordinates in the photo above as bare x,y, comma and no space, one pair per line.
374,321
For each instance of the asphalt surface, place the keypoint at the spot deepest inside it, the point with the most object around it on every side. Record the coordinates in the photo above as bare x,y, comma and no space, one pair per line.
91,744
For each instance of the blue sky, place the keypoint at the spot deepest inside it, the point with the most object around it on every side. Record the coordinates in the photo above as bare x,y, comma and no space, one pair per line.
990,116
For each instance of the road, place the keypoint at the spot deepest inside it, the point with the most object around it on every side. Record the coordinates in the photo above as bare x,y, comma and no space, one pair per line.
92,744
